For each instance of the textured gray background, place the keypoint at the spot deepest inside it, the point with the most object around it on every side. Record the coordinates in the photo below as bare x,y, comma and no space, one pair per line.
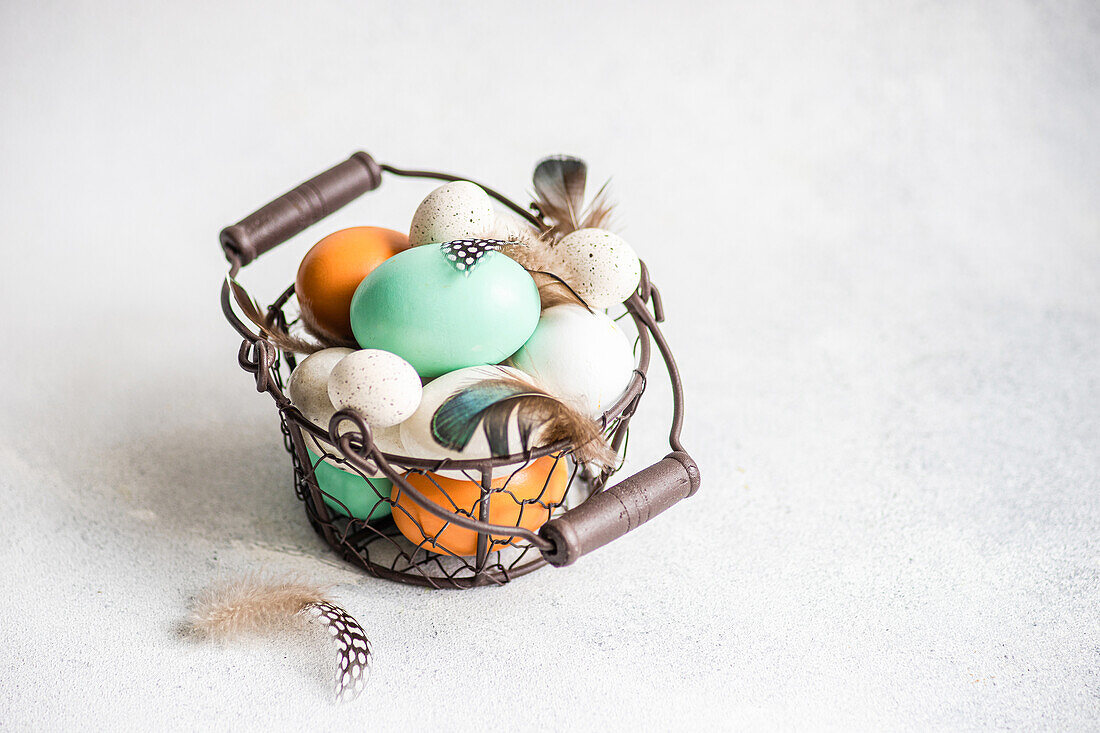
876,229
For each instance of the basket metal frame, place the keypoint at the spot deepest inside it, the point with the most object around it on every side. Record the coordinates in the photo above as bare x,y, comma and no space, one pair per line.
350,438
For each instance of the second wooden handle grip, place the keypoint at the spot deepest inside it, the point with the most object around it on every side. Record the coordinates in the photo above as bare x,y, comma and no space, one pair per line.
301,207
610,514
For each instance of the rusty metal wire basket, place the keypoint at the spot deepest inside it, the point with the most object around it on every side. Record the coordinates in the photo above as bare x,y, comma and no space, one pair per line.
587,515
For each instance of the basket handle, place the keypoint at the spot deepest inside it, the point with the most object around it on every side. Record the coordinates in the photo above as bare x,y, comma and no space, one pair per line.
299,208
603,517
610,514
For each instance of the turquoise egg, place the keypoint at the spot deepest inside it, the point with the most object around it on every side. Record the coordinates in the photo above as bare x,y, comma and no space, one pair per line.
365,498
420,306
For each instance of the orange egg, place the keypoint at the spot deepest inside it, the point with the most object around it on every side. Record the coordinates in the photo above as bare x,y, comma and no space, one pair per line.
523,501
332,270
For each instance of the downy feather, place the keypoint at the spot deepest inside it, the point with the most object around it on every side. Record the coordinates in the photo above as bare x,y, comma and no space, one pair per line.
559,191
262,604
265,322
492,402
559,195
533,253
252,604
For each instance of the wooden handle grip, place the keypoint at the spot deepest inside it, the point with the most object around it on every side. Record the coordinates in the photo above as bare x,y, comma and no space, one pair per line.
610,514
305,205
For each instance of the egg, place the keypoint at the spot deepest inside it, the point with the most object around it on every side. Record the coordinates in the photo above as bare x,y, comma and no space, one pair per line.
381,386
527,501
456,210
332,270
350,494
388,440
419,305
308,384
416,432
599,265
308,391
579,356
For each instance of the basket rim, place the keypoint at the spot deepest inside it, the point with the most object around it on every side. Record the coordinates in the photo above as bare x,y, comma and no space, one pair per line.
631,394
285,217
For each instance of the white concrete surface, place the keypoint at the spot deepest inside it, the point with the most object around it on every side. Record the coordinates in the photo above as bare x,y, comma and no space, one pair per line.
875,226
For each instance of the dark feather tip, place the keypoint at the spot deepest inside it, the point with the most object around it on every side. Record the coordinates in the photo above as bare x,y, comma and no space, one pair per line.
491,404
555,168
456,419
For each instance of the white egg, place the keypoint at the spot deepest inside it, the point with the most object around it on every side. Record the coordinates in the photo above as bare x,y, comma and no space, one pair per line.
416,432
308,391
388,440
308,384
581,357
457,210
599,265
317,406
379,385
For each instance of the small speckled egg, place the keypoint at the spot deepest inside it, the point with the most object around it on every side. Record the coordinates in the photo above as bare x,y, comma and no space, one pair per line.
457,210
599,265
416,432
308,385
379,385
579,356
308,391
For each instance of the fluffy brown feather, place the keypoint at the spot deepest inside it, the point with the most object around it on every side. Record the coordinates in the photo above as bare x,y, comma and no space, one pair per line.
251,605
542,419
326,341
532,251
559,196
599,212
265,322
560,421
555,291
559,191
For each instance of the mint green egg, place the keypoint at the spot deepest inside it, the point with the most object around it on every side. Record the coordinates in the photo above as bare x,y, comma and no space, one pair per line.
365,498
418,305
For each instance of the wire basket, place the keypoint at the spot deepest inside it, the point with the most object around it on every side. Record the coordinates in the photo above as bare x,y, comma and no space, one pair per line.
474,524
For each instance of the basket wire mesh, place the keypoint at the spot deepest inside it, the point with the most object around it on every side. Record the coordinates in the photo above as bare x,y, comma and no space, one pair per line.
375,535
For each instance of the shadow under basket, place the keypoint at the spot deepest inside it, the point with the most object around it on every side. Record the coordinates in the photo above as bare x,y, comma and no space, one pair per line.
482,522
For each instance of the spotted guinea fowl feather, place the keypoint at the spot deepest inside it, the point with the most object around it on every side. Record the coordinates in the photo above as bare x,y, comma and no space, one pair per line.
351,644
466,254
258,604
491,403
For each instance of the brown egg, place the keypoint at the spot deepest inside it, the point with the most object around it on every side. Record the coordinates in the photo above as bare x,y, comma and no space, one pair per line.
332,270
523,499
